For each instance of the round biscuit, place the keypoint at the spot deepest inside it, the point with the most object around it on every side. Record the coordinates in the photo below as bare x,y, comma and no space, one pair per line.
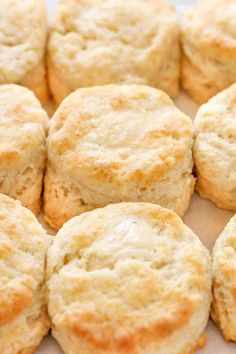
224,281
23,248
116,143
99,42
215,149
23,33
23,131
209,48
129,278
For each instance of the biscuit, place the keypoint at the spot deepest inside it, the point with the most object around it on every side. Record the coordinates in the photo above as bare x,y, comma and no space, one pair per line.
99,42
224,281
23,31
23,125
116,143
129,278
209,48
23,247
215,149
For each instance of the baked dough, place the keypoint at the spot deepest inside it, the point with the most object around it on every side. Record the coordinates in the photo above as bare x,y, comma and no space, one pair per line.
215,149
23,125
129,278
23,247
97,42
117,143
209,48
224,281
23,31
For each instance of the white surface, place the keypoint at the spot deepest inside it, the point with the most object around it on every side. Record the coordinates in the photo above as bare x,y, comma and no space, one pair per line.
205,219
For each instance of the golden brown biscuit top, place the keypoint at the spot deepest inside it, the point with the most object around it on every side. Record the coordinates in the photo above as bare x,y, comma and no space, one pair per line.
23,245
118,133
212,24
23,29
23,124
126,275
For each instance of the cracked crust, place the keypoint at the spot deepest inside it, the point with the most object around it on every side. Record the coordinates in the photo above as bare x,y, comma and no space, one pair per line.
209,48
215,149
87,37
23,247
128,278
22,145
224,281
23,32
114,143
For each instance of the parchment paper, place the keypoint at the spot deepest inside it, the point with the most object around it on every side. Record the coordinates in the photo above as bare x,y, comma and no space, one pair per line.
203,217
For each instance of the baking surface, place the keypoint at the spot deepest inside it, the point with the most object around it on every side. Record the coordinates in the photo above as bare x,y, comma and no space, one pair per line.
203,217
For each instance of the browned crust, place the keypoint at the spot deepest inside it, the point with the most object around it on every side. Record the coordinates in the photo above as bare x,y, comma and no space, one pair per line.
209,191
58,88
164,327
14,300
218,312
200,344
36,81
43,327
195,83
